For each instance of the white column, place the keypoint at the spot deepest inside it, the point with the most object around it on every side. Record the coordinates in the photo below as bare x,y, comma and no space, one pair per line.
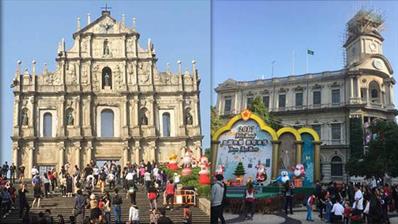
352,86
61,157
358,88
367,96
15,155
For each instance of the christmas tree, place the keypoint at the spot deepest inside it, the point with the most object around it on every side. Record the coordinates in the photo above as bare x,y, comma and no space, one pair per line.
239,171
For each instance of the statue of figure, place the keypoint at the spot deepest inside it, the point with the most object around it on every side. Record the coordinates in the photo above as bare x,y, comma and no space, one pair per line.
69,118
106,47
188,118
144,119
24,118
107,79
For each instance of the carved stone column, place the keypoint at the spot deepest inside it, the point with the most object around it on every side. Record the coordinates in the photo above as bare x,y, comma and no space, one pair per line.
30,159
15,159
89,154
78,156
125,159
137,151
61,154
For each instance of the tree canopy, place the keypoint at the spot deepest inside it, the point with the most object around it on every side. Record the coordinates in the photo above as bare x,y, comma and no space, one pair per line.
382,154
257,106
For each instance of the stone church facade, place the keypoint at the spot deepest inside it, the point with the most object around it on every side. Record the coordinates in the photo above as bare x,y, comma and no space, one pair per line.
106,100
326,101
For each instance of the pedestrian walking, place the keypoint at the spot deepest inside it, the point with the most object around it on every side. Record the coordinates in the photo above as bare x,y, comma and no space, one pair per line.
309,204
134,215
116,204
218,192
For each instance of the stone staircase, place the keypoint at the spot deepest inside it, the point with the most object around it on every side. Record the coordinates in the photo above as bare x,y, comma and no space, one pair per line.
60,205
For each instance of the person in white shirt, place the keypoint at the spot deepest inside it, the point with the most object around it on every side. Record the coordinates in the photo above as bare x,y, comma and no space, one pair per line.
337,211
134,216
35,171
91,178
155,172
358,197
95,174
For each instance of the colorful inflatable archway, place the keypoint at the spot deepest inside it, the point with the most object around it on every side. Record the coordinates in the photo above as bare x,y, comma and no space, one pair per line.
247,139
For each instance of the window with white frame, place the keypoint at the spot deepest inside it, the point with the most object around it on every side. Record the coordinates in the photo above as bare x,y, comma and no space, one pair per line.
299,99
336,167
47,124
166,124
266,101
227,104
107,123
335,96
282,101
336,133
316,97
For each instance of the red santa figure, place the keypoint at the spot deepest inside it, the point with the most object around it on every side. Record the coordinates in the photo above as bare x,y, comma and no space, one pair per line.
299,173
261,175
204,165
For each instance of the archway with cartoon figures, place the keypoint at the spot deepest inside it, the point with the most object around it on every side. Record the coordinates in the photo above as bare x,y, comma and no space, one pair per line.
246,148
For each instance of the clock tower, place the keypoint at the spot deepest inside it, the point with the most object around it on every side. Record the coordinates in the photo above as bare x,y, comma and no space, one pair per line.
363,38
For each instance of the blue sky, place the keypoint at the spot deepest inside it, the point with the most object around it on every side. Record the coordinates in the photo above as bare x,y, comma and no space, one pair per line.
32,29
248,35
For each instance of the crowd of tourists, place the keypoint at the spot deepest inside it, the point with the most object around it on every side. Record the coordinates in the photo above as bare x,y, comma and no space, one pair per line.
81,184
369,202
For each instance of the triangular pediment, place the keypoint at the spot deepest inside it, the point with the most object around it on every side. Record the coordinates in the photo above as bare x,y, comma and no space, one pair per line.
105,24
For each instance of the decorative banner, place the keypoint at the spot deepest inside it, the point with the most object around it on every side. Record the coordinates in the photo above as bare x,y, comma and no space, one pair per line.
307,158
245,143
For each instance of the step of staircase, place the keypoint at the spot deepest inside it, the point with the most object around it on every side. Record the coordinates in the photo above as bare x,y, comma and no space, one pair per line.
63,206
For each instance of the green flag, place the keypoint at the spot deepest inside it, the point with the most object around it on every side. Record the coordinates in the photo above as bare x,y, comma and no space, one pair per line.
310,52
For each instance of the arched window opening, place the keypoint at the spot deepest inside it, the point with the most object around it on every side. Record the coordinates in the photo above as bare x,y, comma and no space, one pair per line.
69,119
188,117
337,167
47,125
166,124
24,117
143,116
106,78
374,91
107,123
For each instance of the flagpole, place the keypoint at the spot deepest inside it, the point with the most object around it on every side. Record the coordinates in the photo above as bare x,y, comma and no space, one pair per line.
272,73
293,62
306,62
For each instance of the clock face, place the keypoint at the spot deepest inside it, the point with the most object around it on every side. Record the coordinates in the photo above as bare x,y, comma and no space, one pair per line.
372,47
378,64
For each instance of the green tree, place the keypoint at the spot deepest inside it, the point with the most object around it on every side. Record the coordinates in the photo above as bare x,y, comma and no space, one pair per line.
381,155
257,106
216,121
240,170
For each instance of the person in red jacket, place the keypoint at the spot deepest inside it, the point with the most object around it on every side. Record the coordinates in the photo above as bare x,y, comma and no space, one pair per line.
310,204
170,191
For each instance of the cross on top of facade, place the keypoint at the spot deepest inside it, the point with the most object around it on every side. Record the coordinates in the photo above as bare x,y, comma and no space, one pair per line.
106,8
